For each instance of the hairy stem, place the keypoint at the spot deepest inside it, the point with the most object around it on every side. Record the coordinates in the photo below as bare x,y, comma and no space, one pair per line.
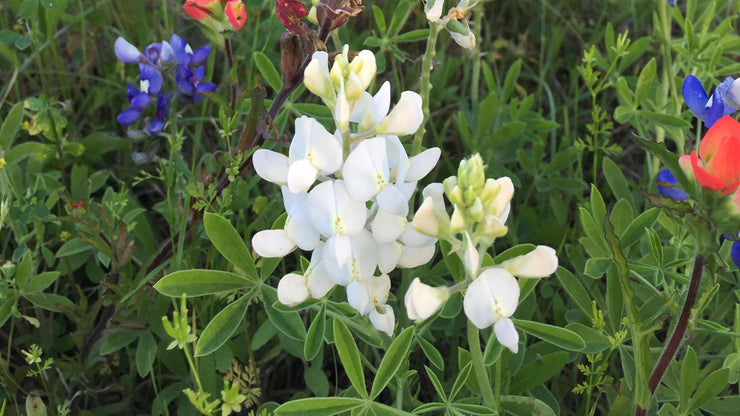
426,84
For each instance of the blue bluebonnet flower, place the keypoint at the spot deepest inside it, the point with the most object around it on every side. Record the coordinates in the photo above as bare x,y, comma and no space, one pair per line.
667,183
724,101
154,65
672,3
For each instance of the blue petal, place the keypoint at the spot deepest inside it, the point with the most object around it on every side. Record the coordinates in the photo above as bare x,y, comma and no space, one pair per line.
723,92
128,117
179,47
163,103
126,52
182,78
151,74
206,87
715,111
672,3
673,193
199,72
152,52
140,101
735,253
201,54
155,127
666,177
695,96
131,90
733,93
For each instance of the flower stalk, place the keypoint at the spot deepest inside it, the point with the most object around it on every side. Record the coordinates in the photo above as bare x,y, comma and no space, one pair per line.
481,374
426,83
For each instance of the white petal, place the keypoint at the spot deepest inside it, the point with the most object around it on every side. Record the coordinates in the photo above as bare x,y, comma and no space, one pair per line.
498,206
301,175
382,102
359,298
415,256
368,68
366,169
322,207
318,281
272,243
387,227
383,322
422,164
413,238
540,262
341,111
405,118
271,166
392,200
299,228
425,219
352,212
378,287
433,9
316,75
322,148
466,41
338,250
506,334
477,305
471,257
292,290
388,256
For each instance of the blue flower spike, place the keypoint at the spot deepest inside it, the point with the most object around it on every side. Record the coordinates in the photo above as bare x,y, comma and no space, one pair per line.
667,186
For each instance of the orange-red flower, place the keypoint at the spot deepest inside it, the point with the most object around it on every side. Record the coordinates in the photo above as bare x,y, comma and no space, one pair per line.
717,166
212,13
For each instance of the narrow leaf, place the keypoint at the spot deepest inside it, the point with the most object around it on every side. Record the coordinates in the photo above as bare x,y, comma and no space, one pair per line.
227,241
396,354
198,282
557,336
222,327
349,355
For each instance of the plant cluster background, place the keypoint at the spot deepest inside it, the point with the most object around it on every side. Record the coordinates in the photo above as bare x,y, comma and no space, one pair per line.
328,207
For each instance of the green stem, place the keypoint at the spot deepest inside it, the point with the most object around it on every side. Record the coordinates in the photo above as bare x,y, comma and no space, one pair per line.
426,84
193,369
479,368
475,82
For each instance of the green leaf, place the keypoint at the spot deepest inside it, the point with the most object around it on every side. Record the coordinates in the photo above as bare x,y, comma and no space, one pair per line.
525,406
379,18
319,406
412,36
512,75
116,341
315,335
227,241
399,18
289,323
709,388
636,229
11,125
723,405
537,372
617,182
557,336
644,81
316,381
625,93
222,327
350,356
597,266
689,370
34,403
146,351
473,409
595,342
436,383
461,379
396,354
72,247
516,251
432,354
49,301
199,282
267,69
40,282
598,208
666,120
23,270
575,290
493,349
28,9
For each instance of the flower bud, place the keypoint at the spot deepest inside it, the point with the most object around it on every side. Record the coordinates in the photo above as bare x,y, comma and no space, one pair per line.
457,223
422,300
316,77
471,257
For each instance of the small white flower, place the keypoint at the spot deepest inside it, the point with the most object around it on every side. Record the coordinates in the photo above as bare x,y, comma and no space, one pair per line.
367,294
422,300
540,262
491,299
466,41
271,166
405,118
312,150
316,77
292,289
272,243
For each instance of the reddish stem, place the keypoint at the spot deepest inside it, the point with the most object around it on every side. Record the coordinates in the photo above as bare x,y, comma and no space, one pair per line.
675,341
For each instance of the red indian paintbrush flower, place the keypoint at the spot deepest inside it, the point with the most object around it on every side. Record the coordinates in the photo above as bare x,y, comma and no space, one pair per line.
212,13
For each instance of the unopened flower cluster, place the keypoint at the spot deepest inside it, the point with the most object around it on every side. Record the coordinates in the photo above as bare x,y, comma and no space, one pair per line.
346,193
159,60
218,18
480,208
